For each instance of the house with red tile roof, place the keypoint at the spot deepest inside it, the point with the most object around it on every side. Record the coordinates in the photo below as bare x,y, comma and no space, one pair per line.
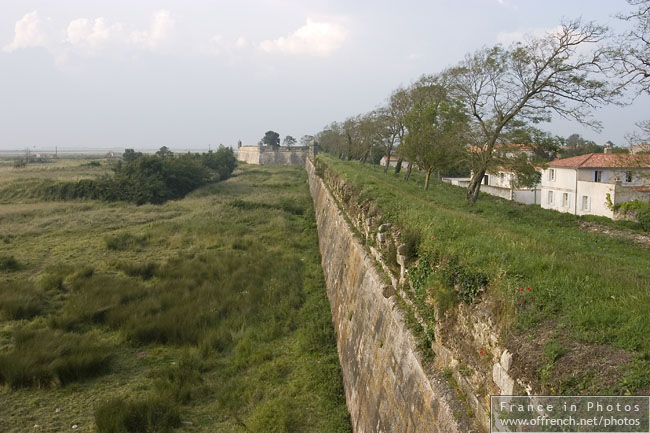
589,184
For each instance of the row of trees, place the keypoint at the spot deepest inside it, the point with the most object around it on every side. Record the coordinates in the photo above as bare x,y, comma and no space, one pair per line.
141,179
467,114
272,138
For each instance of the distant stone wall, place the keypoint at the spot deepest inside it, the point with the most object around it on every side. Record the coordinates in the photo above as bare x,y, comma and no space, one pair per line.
265,155
388,388
249,154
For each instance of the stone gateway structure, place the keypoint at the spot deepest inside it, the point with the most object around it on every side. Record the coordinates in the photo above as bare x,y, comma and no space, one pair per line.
282,155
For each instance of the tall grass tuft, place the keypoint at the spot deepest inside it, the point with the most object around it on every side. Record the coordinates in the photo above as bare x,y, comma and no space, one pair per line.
125,241
146,415
44,358
21,300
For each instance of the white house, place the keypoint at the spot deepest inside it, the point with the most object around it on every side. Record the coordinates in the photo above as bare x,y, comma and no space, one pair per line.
503,183
586,184
392,163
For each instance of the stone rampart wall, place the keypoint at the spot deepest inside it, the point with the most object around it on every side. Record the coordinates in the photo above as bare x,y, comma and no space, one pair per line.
388,387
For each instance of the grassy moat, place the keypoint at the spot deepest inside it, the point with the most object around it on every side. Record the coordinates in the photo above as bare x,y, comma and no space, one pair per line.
209,310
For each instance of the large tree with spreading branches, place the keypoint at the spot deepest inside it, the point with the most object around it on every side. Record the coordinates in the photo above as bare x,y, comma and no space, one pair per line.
529,81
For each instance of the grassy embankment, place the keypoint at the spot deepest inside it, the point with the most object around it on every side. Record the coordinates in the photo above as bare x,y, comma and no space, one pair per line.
210,309
580,299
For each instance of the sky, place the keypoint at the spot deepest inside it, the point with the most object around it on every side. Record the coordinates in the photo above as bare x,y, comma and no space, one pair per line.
81,74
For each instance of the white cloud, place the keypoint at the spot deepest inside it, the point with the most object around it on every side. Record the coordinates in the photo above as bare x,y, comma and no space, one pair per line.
83,31
162,27
28,32
219,45
241,42
314,38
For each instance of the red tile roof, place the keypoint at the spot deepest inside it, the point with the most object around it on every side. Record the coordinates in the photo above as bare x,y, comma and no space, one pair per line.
603,160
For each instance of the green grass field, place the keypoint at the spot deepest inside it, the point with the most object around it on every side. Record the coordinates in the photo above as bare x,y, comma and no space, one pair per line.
556,284
210,310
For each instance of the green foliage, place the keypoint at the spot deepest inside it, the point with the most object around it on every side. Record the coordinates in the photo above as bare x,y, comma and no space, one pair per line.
130,155
576,145
271,138
45,358
641,208
9,264
289,141
149,178
552,351
435,128
412,238
146,415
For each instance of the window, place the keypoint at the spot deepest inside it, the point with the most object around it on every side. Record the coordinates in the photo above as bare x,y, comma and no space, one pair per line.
598,176
586,203
549,199
551,174
565,199
628,176
485,179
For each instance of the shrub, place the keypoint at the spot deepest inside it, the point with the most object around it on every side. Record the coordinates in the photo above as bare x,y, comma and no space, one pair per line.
411,239
148,415
9,264
45,358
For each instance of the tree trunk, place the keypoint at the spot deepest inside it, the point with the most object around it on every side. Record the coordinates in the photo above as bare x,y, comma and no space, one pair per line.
475,185
409,167
398,166
426,179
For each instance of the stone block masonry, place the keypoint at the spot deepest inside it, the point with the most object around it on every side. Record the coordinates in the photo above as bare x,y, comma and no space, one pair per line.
387,386
264,155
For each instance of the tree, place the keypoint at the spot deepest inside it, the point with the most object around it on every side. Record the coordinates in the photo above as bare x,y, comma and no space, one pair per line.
528,81
332,140
399,105
630,55
289,141
434,140
271,138
164,152
130,155
631,62
576,145
641,138
306,140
